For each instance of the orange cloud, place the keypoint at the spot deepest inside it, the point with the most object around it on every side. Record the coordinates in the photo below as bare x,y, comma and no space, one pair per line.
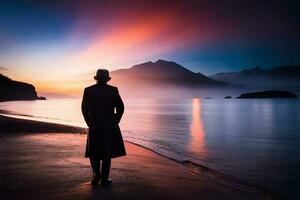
119,42
142,35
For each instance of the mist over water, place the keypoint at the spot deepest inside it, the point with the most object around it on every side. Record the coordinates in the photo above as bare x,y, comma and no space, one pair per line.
255,140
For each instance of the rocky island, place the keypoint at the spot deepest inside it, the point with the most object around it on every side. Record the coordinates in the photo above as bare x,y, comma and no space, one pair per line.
11,90
268,94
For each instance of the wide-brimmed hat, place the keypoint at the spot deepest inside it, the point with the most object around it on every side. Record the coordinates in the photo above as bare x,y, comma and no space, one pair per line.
102,75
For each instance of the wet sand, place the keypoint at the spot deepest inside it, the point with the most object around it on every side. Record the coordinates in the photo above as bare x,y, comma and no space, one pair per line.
46,161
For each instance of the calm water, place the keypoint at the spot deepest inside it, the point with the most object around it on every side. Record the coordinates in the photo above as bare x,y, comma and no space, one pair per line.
257,141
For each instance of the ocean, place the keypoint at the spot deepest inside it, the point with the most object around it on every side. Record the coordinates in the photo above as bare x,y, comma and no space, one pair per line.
256,141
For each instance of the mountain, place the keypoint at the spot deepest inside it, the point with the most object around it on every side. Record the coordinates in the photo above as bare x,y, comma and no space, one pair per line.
162,79
162,73
11,90
283,77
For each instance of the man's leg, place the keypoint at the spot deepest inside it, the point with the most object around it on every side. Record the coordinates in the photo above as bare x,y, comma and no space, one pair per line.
105,168
95,163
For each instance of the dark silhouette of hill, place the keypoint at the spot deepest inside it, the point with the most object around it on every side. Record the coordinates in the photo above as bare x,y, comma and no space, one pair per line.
11,90
283,77
268,94
161,73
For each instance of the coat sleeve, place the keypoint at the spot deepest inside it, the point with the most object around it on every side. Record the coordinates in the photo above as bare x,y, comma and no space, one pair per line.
84,108
119,105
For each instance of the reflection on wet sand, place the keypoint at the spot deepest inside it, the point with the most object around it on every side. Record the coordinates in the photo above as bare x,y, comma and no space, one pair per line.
197,143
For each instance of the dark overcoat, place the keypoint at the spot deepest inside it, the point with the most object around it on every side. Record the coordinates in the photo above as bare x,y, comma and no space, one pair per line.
102,109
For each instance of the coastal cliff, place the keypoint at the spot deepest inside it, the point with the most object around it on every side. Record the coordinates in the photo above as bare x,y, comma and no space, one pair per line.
11,90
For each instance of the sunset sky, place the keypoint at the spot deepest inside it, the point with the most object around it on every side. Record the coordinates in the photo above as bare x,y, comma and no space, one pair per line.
57,45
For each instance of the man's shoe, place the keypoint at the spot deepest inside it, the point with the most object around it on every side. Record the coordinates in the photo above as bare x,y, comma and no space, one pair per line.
106,182
95,180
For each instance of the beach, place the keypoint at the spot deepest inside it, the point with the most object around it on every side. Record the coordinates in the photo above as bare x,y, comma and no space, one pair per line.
41,160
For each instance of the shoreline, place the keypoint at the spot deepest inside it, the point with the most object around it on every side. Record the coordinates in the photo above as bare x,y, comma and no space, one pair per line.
219,177
199,170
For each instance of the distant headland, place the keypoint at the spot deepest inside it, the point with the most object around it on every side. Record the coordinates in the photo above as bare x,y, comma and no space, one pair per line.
11,90
268,94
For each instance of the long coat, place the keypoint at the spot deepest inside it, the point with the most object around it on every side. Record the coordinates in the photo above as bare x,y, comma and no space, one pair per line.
104,139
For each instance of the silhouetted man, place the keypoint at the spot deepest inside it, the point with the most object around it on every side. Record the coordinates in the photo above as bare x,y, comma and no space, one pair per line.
102,108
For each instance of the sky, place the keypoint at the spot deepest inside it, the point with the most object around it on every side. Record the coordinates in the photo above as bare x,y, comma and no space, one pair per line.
57,45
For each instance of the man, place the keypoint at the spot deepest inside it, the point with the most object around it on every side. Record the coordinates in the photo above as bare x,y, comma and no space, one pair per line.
102,109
